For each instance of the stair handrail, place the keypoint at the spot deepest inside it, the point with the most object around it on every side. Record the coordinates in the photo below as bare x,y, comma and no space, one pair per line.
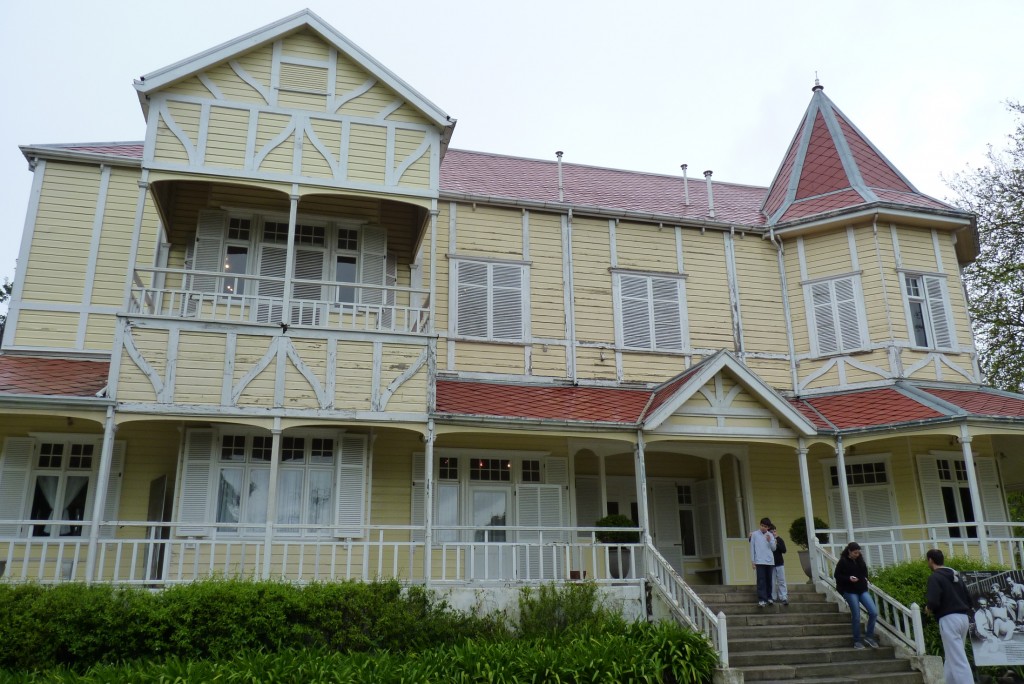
684,603
902,622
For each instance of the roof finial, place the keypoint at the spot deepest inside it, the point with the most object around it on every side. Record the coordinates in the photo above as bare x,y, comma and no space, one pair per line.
817,84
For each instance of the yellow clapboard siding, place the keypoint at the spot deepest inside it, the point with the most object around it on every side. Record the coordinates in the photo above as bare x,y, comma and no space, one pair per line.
797,303
917,251
707,291
309,101
489,231
354,376
151,450
226,140
349,76
827,255
747,422
99,331
775,372
592,281
371,103
496,358
547,284
589,364
232,87
305,44
407,114
551,362
191,87
651,367
168,147
314,163
407,142
257,64
132,384
200,368
644,247
46,329
298,391
268,127
760,290
828,379
328,133
186,116
366,153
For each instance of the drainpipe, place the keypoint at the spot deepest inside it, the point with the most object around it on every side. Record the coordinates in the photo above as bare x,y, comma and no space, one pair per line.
844,489
289,267
428,502
781,258
972,483
641,486
100,500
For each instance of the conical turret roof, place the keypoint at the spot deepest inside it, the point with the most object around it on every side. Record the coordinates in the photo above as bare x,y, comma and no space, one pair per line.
831,166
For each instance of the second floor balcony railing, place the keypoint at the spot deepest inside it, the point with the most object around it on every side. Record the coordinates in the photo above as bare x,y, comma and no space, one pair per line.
239,298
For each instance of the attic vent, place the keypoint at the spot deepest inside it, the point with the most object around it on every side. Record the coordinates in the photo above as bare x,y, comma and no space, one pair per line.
303,78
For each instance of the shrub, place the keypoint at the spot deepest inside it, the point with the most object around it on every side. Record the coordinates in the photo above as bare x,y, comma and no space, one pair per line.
550,610
798,532
620,537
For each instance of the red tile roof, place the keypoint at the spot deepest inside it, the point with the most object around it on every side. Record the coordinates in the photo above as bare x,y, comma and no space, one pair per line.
51,377
870,408
541,402
983,402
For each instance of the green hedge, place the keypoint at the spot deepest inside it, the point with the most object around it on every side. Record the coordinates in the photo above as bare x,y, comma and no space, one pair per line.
242,631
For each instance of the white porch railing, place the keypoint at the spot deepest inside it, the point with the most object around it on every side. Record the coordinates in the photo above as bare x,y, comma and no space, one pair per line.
146,553
238,298
897,619
885,546
686,606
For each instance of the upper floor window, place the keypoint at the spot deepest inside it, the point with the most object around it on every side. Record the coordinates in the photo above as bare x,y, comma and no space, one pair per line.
489,300
836,315
927,311
651,312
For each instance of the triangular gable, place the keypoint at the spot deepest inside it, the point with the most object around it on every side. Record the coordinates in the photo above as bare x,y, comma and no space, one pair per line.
830,165
693,381
304,19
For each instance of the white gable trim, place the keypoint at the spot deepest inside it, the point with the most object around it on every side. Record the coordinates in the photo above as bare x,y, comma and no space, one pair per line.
305,18
753,384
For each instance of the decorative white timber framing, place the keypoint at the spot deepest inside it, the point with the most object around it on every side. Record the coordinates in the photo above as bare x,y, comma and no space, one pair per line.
381,402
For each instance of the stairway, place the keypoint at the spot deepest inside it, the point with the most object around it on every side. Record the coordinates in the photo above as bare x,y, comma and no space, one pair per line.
806,642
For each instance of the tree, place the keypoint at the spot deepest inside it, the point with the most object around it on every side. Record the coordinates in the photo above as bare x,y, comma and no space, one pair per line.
5,294
995,281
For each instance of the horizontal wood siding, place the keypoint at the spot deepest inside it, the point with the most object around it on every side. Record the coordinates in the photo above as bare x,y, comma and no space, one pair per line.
305,44
99,331
916,249
225,146
249,350
707,290
592,281
280,157
442,272
299,393
190,87
354,376
644,247
589,363
775,372
549,360
417,175
407,114
200,368
547,284
151,450
877,308
168,147
757,273
829,379
489,231
494,358
368,104
827,255
411,395
638,367
308,101
116,238
258,64
366,153
391,499
46,329
231,85
797,304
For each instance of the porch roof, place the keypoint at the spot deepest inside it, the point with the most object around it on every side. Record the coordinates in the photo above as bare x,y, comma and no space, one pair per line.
51,377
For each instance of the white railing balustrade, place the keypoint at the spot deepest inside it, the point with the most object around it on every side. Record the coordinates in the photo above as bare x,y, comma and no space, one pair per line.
902,622
239,298
686,605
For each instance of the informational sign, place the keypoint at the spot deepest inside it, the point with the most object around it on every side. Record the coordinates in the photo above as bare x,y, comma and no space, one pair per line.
997,617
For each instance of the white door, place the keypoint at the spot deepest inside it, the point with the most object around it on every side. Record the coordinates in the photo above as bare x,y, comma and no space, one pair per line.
490,508
666,529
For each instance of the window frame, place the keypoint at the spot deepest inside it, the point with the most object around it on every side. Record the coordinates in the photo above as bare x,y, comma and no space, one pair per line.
457,313
679,280
63,472
931,303
838,313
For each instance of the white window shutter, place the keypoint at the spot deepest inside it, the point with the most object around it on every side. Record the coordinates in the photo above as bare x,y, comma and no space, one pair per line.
15,465
992,499
209,249
471,299
876,506
111,505
507,295
824,319
931,495
373,251
556,472
836,518
540,506
351,501
588,503
709,528
634,296
196,482
668,324
446,494
387,316
307,297
846,312
937,312
419,496
273,264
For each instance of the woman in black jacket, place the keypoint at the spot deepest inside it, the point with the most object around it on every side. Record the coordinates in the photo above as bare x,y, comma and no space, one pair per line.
851,577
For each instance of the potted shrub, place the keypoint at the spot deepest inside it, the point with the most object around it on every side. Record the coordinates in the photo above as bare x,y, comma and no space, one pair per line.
618,558
798,535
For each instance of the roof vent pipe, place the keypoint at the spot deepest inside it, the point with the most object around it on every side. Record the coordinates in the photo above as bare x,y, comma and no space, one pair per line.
686,184
711,195
561,188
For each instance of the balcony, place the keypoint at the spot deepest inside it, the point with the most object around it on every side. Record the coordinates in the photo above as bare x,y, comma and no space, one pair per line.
211,296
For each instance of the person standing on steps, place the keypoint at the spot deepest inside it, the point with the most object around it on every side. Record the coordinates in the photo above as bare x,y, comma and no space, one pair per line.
780,592
851,575
762,557
948,600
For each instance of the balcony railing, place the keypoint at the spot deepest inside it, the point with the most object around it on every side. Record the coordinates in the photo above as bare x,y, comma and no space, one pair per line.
147,553
235,298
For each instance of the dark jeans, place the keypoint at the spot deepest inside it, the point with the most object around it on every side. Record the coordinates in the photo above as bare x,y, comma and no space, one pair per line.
856,601
765,575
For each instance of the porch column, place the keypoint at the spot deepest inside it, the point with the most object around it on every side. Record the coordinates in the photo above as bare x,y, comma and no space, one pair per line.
289,265
972,483
844,489
99,502
275,461
428,502
641,486
805,493
433,266
602,477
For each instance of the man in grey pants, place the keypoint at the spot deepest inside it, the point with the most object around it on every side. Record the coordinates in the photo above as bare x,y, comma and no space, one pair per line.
948,600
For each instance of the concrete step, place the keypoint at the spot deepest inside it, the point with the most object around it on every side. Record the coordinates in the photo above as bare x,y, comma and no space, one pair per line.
734,597
770,639
852,678
771,617
868,672
747,608
829,659
789,631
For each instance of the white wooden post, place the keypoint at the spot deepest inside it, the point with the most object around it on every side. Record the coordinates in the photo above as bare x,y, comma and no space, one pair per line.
99,501
428,503
844,489
972,483
805,493
275,461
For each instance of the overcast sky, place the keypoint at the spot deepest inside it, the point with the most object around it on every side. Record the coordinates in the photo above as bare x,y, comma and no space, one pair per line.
640,85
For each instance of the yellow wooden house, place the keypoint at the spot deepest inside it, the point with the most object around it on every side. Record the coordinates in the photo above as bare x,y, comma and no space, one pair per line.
293,334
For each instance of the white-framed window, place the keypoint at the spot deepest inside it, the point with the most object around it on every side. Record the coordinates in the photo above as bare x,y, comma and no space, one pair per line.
651,311
835,315
872,504
50,479
945,491
490,299
225,482
927,309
